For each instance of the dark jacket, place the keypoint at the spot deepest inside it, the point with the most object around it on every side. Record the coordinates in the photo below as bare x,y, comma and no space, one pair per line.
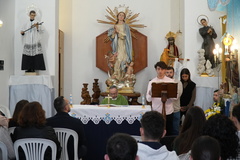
46,132
64,120
187,93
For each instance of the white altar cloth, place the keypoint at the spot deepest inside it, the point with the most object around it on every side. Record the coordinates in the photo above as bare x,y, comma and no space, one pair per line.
96,113
32,88
205,87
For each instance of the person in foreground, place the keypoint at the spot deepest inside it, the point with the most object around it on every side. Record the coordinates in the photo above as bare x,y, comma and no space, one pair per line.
5,137
205,148
116,99
121,147
32,125
236,118
63,120
152,130
192,128
19,106
222,128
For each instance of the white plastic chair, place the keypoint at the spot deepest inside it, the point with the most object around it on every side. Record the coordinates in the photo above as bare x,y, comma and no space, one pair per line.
137,138
34,148
5,110
4,151
63,135
11,130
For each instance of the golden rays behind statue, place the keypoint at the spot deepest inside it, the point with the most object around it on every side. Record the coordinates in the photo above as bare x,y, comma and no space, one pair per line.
124,56
130,18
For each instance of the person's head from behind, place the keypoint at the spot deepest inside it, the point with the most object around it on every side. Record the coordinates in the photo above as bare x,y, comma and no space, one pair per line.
113,92
121,147
236,116
170,72
194,120
222,128
152,126
216,96
32,115
19,106
192,127
205,148
185,75
61,104
160,69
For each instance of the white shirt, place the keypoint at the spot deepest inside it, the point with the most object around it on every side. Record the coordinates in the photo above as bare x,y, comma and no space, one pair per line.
156,102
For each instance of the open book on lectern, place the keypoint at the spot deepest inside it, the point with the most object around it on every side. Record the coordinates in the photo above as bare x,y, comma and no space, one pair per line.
159,87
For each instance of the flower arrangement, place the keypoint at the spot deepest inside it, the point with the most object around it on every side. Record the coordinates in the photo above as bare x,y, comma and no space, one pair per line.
215,109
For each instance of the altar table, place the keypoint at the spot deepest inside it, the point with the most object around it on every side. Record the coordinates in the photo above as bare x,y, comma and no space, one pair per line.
32,88
205,86
100,123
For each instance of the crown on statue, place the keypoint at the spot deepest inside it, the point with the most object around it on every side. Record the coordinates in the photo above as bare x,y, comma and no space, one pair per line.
123,8
171,34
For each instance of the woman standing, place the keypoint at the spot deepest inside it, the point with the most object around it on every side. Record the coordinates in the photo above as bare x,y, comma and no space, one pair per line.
189,91
120,36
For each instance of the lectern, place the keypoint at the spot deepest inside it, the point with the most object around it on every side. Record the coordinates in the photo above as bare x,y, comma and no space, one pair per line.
164,91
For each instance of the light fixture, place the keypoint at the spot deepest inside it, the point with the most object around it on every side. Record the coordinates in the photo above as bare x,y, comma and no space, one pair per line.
217,54
1,23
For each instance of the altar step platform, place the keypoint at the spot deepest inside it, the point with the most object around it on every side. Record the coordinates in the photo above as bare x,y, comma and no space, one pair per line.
32,88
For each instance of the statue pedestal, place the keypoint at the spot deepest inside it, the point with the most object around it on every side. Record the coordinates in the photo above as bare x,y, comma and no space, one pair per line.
206,75
31,73
123,90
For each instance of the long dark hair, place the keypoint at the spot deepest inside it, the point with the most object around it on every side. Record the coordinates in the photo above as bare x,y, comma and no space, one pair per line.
185,71
32,115
19,106
192,128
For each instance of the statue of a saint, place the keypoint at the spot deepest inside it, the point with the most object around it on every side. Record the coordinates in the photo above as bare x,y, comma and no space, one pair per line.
32,58
120,36
208,34
173,49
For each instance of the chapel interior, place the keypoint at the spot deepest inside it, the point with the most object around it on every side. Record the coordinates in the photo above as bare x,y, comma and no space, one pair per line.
70,43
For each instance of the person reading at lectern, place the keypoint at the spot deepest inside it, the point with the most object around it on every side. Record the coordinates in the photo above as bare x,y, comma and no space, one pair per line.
157,102
116,98
32,58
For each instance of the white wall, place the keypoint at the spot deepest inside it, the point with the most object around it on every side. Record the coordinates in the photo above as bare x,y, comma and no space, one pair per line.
6,44
155,15
78,22
49,15
65,24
